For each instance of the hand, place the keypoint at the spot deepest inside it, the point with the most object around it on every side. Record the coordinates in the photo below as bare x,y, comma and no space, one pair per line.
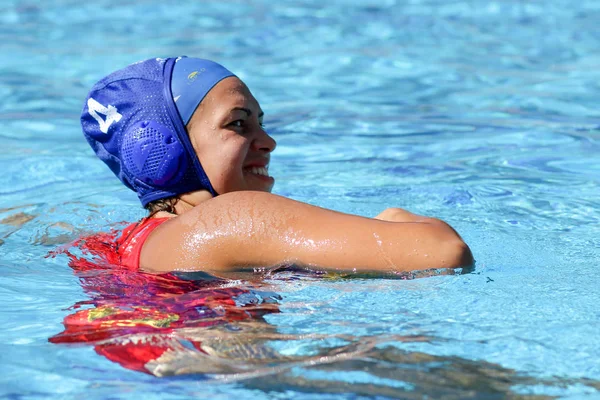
399,215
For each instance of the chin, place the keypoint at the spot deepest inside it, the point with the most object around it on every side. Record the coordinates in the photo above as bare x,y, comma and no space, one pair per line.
260,183
261,189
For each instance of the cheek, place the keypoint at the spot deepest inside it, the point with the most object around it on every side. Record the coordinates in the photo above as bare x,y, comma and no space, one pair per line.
225,171
227,178
229,155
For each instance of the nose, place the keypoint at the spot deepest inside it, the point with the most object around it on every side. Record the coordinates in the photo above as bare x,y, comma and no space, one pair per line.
264,142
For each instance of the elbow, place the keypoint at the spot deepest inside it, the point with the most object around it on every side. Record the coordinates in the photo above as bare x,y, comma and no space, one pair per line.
454,252
458,255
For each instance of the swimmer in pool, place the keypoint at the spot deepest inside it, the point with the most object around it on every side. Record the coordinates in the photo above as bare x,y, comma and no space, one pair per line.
187,136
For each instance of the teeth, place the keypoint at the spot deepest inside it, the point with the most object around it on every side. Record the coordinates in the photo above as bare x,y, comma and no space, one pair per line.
259,171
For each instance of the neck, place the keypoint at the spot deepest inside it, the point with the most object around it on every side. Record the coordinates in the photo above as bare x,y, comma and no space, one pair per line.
188,201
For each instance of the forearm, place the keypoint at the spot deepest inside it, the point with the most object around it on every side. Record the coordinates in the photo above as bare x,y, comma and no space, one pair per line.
387,246
462,254
399,215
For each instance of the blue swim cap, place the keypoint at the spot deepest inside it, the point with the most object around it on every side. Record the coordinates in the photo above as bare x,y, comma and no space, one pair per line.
192,79
133,124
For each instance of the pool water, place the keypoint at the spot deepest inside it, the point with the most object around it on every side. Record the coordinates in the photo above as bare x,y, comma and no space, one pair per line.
482,113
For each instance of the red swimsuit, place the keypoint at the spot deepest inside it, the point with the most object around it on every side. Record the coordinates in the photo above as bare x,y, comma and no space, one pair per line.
147,322
129,245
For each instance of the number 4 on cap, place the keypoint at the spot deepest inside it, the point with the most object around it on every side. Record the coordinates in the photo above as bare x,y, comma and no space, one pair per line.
110,114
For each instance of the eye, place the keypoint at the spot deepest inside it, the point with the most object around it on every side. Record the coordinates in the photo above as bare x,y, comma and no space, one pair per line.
238,123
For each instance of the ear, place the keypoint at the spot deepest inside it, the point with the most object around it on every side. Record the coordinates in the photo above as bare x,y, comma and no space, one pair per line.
153,154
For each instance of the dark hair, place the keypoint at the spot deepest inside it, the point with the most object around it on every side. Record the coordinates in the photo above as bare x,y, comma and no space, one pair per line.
156,206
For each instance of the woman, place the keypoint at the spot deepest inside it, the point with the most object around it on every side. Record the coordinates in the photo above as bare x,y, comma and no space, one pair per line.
186,135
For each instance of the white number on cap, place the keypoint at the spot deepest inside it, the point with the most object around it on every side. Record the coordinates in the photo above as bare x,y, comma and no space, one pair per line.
110,114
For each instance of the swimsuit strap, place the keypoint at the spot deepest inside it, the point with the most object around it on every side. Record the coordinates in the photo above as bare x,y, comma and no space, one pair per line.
129,245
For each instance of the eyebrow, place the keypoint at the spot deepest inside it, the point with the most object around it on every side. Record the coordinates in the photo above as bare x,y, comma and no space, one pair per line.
248,111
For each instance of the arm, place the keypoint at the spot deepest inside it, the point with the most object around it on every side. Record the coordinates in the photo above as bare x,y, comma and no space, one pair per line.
400,215
255,229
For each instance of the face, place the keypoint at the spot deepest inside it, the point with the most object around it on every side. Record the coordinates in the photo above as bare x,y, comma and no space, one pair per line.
227,134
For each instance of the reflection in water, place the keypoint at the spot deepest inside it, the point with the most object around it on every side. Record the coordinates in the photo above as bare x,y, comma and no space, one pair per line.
12,223
171,324
149,322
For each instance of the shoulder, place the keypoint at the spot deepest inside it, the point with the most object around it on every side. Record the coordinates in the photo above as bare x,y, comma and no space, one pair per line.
204,237
131,241
235,230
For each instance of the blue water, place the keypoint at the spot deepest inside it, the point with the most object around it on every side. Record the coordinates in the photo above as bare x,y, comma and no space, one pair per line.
482,113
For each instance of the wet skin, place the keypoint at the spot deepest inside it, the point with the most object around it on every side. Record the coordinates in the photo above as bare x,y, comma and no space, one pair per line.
246,227
228,137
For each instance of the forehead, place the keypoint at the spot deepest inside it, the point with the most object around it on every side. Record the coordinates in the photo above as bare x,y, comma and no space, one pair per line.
231,92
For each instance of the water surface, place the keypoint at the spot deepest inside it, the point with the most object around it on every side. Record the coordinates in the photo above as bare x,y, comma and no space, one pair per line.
482,113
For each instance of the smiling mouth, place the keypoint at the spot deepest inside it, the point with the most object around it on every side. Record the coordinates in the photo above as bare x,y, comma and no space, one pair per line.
261,171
